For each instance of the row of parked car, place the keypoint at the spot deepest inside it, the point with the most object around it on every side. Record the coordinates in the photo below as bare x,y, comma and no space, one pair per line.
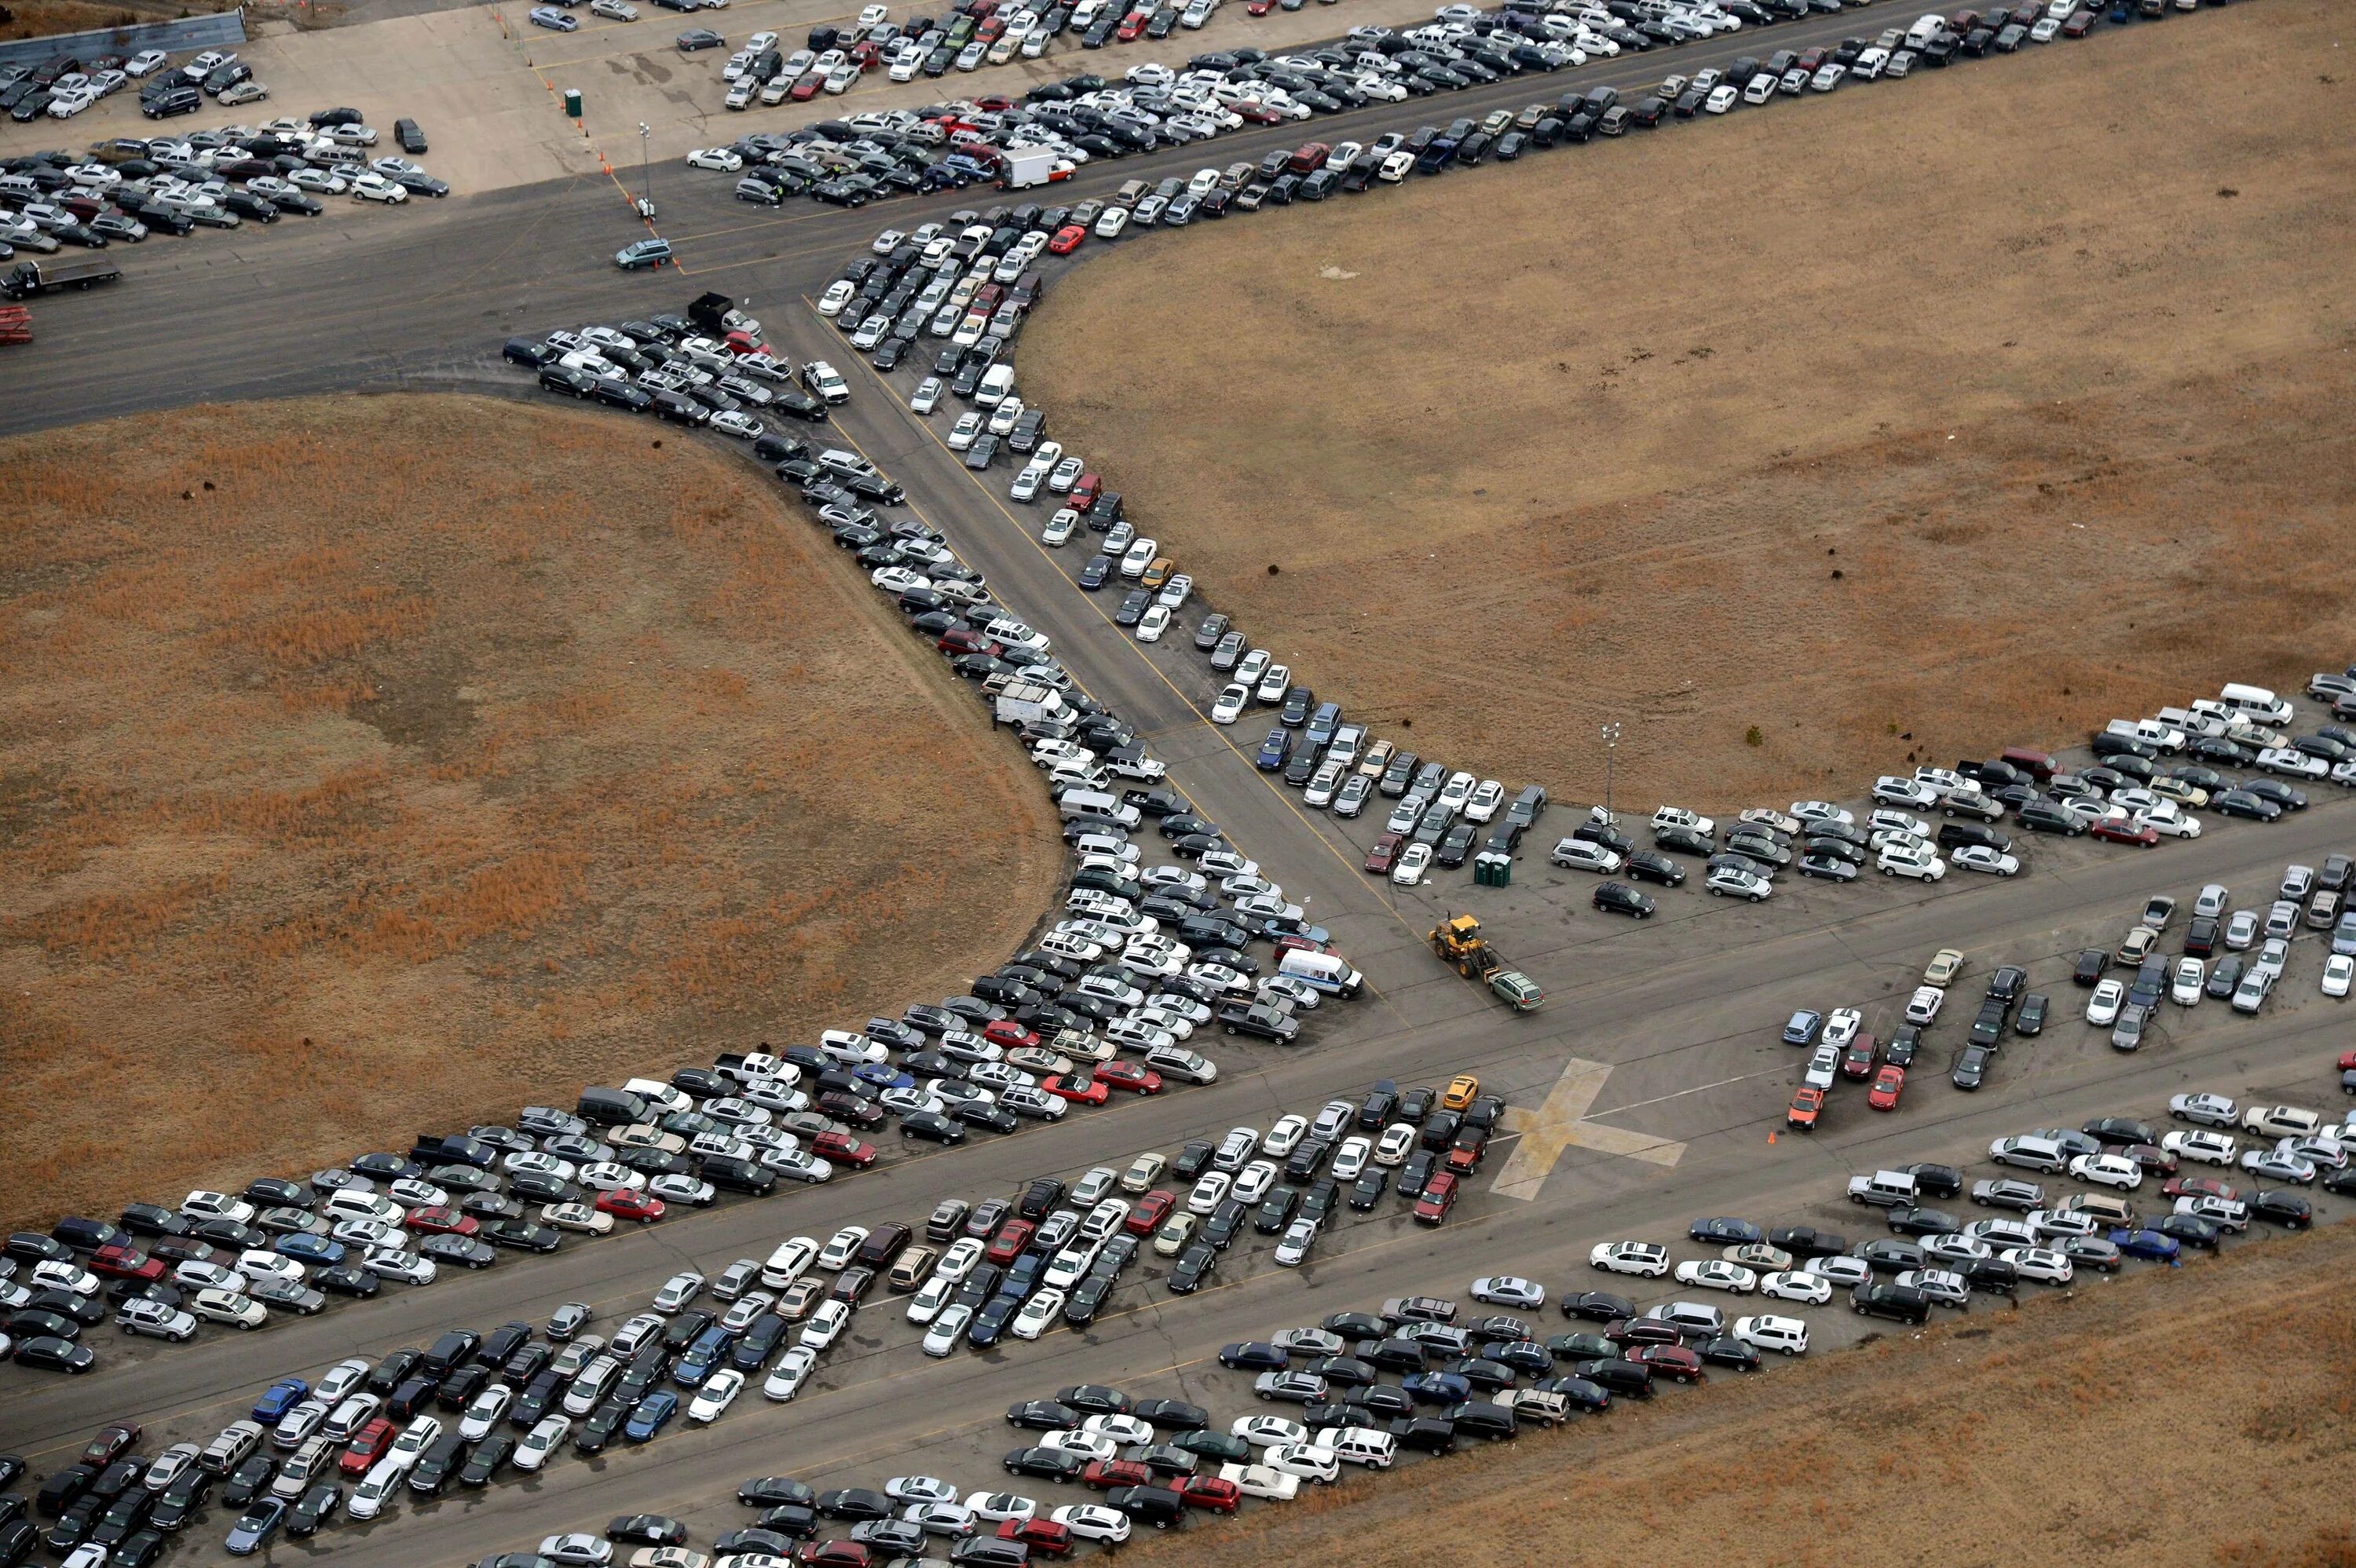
991,137
123,189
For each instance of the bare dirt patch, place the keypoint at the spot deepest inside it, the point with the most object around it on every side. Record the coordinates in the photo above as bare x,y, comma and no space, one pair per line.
2198,1417
381,765
1967,410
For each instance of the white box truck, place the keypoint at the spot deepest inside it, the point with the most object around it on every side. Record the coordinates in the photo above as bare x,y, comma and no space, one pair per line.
1027,166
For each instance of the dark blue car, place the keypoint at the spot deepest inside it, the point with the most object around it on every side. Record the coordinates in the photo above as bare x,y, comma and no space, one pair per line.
305,1247
1438,1388
1276,751
883,1076
1725,1232
988,1324
708,1349
256,1525
281,1397
652,1414
2152,1244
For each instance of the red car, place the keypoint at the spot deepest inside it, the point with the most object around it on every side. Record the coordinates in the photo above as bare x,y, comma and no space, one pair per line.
1076,1087
1670,1361
624,1204
1207,1492
2348,1061
1008,1033
965,640
2200,1186
1040,1535
1888,1084
1085,493
1626,1331
1008,1244
121,1260
1437,1201
2154,1160
991,29
2125,833
368,1446
1256,113
1067,240
993,103
1806,1106
1151,1211
834,1554
1856,1058
1259,7
109,1443
1130,1076
1132,27
441,1220
1105,1474
1285,945
807,87
1386,850
843,1149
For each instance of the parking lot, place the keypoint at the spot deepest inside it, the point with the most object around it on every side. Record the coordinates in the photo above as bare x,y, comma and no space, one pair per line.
1648,1093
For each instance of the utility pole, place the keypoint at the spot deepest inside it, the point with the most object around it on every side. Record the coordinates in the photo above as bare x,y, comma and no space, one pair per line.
645,165
1611,751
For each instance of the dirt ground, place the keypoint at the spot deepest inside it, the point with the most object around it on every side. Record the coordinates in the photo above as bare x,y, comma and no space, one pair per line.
375,764
2192,1418
1939,415
39,18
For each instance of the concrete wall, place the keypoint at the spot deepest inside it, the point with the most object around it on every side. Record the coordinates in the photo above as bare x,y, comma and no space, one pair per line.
224,29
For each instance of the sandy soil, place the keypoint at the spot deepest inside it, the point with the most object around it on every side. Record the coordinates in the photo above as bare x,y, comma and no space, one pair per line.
2197,1418
381,765
1939,415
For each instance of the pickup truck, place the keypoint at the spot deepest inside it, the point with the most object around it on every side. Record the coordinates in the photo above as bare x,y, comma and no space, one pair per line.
1262,1021
2151,731
29,278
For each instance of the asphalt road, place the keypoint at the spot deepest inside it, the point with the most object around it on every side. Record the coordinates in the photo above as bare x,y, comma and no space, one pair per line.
1683,1011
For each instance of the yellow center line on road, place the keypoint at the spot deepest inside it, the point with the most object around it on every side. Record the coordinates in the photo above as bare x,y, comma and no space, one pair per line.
1203,719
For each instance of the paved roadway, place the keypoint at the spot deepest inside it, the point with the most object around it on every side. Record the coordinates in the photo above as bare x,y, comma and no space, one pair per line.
1682,1012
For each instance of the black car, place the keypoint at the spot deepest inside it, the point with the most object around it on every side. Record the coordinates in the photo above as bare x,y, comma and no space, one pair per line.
1045,1464
1902,1302
1970,1067
1618,898
1597,1306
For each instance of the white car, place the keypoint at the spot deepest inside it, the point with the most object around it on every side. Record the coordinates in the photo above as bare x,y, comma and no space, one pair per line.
1285,1136
1784,1335
822,378
1645,1258
2204,1147
1892,789
1509,1290
1814,1290
743,426
947,1328
1841,1026
146,63
1261,1481
1307,1460
374,186
1412,863
927,395
1804,811
2041,1263
679,1290
1153,624
1982,858
1717,1274
1038,1314
614,10
545,1437
826,1325
395,1263
2102,1007
2338,970
719,1392
2107,1170
1059,528
792,1370
1088,1522
840,1248
231,1307
1231,703
1922,863
1396,1143
1924,1007
1269,1430
728,163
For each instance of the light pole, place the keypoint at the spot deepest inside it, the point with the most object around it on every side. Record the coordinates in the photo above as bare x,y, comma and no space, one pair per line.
1611,751
645,165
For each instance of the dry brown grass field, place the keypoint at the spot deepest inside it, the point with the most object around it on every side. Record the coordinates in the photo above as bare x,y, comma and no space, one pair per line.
2196,1418
1937,415
378,764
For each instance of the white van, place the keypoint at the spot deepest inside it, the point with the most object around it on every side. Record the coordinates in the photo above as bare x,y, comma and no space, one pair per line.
1096,803
660,1095
1924,29
1359,1446
1322,970
996,386
2255,702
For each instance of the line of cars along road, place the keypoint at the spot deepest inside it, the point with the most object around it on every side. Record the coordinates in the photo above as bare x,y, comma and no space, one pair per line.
881,152
123,189
984,1273
1418,1377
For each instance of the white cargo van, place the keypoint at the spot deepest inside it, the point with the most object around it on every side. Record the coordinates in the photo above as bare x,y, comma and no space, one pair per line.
1096,803
2255,702
1322,970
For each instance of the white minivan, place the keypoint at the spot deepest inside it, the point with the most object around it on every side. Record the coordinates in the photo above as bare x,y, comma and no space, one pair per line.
996,386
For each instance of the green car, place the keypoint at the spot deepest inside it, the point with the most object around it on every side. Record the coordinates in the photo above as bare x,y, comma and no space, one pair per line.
1520,992
643,254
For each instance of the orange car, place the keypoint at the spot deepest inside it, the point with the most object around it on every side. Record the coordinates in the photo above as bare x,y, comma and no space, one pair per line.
1460,1093
1806,1106
1887,1086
